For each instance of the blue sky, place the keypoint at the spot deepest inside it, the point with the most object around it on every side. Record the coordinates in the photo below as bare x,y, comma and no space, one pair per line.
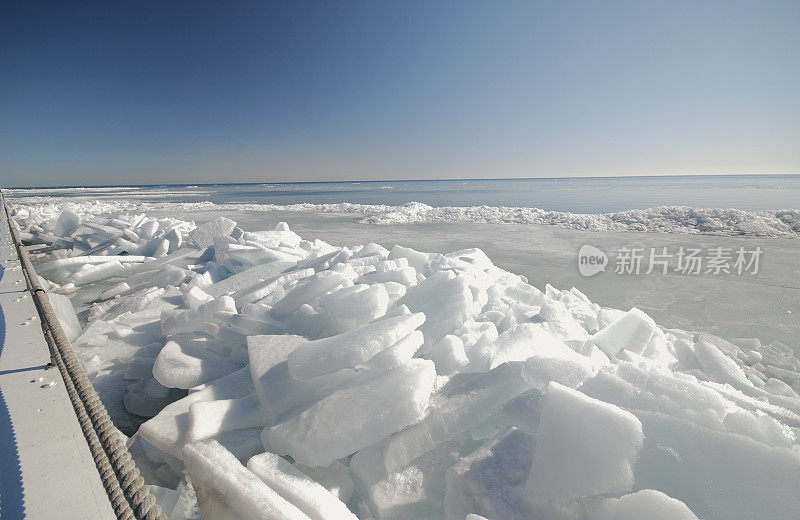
156,92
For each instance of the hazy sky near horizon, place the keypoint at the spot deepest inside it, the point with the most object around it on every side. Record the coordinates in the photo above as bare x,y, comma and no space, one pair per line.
191,92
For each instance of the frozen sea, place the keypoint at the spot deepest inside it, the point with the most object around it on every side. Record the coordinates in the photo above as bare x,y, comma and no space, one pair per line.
693,417
535,227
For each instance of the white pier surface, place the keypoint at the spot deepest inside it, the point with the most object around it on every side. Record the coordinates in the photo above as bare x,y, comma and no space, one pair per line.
46,469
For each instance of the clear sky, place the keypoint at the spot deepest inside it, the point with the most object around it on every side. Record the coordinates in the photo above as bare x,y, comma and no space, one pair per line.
190,92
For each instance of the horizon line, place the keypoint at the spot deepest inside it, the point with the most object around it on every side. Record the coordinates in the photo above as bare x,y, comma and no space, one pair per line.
447,179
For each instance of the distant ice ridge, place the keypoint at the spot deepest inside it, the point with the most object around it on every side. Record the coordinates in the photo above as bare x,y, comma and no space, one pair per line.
662,219
278,377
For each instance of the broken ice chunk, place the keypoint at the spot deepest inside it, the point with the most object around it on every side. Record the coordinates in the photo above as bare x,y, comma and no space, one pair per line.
243,443
335,478
203,235
355,417
148,397
190,320
168,430
352,307
309,290
184,367
140,368
186,507
397,354
282,395
632,331
248,278
161,248
164,276
94,273
714,472
415,259
246,325
491,480
267,287
66,315
566,367
406,276
264,352
449,355
528,339
647,503
584,447
460,405
226,489
211,418
325,356
280,236
194,297
68,221
718,366
637,388
165,497
174,238
297,488
445,299
237,257
417,490
148,229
